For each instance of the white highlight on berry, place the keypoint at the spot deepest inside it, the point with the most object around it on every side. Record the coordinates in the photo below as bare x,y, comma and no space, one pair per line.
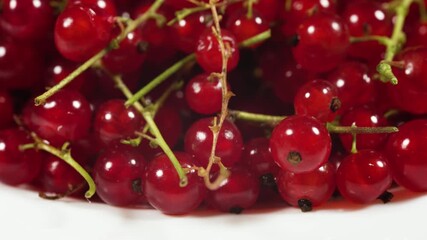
37,3
354,18
379,15
13,4
201,136
67,22
374,119
2,146
131,115
315,130
289,132
2,51
405,143
50,105
77,104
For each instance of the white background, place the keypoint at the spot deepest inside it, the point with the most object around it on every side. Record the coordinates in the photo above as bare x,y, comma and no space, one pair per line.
23,215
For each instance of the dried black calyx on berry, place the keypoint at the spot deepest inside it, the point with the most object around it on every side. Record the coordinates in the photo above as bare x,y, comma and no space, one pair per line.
305,205
335,104
294,157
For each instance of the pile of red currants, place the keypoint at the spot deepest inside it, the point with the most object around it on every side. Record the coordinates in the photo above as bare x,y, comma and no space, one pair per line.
180,104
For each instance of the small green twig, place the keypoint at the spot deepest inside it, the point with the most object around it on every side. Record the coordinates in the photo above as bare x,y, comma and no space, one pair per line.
360,130
256,117
65,154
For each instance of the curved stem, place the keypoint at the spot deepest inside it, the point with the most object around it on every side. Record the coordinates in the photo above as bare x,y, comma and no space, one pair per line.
256,39
130,27
65,154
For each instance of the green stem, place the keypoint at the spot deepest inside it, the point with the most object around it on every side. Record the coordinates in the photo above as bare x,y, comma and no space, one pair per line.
159,79
256,117
380,39
160,141
256,39
250,12
395,43
132,26
181,14
65,154
360,130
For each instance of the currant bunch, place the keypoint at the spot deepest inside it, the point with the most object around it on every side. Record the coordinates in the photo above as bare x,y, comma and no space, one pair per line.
181,105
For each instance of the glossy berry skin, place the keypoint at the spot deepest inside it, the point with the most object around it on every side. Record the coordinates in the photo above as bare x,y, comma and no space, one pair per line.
6,109
16,166
323,40
316,186
104,8
413,70
257,157
162,185
119,174
354,84
208,52
113,121
20,64
59,68
267,9
300,144
130,55
27,20
319,99
244,27
58,177
410,95
240,191
186,31
363,116
65,117
198,142
80,33
363,176
203,94
366,18
407,156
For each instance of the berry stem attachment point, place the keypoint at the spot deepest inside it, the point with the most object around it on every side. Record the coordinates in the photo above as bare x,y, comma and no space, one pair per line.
94,59
65,154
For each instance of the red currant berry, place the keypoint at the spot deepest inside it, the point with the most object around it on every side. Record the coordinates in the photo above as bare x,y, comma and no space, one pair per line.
366,18
362,177
130,55
300,144
363,116
317,98
355,86
308,189
27,20
113,121
188,30
257,157
17,166
80,33
240,191
323,40
208,52
66,116
104,8
162,185
198,142
203,94
58,177
119,174
244,27
407,156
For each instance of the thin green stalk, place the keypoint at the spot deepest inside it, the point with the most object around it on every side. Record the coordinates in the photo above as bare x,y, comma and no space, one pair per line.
154,130
65,154
159,79
90,62
394,44
360,130
256,117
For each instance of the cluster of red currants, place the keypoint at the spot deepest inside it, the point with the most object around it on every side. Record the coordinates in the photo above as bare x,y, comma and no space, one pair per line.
309,115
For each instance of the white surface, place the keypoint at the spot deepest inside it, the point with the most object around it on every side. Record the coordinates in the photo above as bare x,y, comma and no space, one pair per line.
23,215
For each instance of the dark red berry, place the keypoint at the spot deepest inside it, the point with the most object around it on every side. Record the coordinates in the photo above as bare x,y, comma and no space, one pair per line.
119,174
